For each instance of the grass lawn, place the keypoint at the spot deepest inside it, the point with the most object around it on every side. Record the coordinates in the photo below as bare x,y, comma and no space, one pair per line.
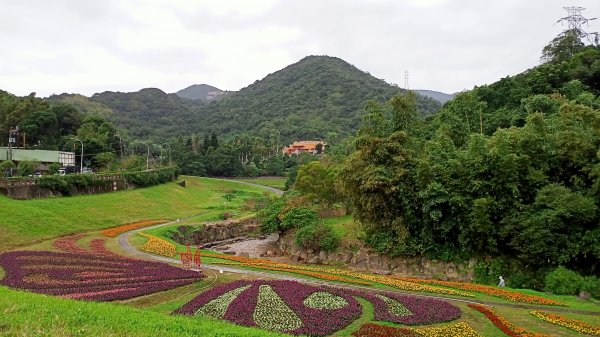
278,182
28,221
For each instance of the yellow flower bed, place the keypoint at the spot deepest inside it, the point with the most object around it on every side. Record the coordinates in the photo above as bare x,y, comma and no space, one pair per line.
159,246
327,273
572,324
460,329
489,290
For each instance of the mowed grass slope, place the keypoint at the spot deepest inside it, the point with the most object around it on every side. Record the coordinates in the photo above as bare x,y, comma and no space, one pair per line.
27,314
27,221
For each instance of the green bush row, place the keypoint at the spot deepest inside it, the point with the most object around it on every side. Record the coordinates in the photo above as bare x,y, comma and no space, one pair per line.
66,185
563,281
151,178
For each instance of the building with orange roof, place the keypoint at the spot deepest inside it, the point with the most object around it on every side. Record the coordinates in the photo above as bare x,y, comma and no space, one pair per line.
305,146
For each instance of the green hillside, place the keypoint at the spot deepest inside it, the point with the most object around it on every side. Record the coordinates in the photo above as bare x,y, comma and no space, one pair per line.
29,221
318,97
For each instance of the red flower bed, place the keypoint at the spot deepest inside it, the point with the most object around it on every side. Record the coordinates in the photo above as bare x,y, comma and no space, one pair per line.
317,321
97,246
502,324
90,276
69,243
376,330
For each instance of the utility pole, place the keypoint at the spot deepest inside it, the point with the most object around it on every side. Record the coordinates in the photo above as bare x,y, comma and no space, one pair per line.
575,20
147,156
169,145
81,162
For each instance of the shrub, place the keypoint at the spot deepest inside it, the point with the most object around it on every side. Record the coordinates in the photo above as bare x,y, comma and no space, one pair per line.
299,217
563,281
317,237
591,284
269,216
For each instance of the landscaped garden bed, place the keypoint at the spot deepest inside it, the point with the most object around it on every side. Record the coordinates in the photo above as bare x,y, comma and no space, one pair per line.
90,276
297,308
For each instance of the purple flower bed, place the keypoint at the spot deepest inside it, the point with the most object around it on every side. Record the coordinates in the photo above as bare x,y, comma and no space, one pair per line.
315,322
424,310
322,322
90,276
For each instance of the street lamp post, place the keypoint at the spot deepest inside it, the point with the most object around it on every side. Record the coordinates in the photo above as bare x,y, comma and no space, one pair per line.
81,161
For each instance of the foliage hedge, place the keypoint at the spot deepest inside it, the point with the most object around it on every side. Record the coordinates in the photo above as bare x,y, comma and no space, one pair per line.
68,184
151,178
563,281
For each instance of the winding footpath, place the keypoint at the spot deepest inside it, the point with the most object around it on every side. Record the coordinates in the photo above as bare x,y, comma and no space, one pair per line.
123,240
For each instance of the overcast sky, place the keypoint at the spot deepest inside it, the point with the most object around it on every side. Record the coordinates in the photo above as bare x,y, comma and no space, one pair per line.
85,47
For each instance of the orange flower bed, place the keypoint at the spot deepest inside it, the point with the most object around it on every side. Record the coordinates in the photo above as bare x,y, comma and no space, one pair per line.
112,232
330,273
568,323
504,325
488,290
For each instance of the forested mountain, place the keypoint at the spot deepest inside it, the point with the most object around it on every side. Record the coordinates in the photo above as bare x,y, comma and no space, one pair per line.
203,92
151,113
319,97
436,95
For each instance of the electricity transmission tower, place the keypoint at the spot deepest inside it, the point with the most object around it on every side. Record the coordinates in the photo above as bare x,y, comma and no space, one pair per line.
406,80
575,20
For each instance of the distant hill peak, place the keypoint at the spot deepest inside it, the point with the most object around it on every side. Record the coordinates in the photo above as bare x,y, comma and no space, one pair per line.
202,92
436,95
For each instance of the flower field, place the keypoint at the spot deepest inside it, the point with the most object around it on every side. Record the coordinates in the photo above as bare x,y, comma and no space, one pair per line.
460,329
112,232
488,290
501,323
158,246
300,309
338,275
568,323
90,276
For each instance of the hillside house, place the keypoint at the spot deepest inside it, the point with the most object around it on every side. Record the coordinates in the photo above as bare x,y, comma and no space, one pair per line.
305,146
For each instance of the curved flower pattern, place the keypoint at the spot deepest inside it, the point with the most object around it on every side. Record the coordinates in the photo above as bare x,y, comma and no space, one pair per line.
90,276
112,232
568,323
217,307
504,325
324,300
320,310
272,313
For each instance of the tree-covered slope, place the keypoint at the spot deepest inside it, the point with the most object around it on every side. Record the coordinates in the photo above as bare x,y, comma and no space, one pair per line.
319,97
150,113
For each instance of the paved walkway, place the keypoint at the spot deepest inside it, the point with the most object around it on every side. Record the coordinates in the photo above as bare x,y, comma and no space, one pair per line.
124,244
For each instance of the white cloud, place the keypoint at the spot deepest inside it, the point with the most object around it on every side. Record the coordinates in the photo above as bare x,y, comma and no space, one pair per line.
122,45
